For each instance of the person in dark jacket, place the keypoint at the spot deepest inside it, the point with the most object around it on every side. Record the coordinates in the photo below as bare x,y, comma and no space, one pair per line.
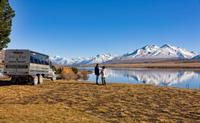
97,73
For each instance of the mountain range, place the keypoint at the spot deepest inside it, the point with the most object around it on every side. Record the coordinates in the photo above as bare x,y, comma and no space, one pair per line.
81,60
149,52
196,57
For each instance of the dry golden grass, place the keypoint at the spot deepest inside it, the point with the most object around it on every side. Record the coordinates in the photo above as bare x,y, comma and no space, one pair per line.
1,65
79,102
40,113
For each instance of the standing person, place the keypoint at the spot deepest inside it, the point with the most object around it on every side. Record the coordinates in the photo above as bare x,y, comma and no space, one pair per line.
103,77
96,71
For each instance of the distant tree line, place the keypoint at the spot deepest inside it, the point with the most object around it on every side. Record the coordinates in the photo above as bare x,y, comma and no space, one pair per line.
6,15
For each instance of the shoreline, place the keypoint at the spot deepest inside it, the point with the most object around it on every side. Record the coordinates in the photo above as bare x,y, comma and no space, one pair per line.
163,65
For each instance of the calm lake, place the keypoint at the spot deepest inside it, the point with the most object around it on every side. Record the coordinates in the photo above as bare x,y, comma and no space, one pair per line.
159,77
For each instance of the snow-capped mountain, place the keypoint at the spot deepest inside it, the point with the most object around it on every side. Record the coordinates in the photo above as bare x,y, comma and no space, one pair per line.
100,58
59,60
141,53
170,51
81,60
156,52
196,57
148,52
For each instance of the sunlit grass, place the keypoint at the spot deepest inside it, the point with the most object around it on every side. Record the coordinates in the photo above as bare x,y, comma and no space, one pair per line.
72,101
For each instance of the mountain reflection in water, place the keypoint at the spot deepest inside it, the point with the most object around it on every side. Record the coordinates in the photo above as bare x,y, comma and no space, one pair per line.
161,77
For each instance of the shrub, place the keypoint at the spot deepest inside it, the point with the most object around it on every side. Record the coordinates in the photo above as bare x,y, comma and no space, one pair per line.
53,68
75,70
68,74
83,75
58,70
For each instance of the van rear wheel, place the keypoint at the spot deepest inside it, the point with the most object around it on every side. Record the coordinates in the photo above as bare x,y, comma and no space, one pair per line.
13,80
40,79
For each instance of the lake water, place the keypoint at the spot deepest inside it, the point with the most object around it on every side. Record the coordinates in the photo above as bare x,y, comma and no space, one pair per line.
159,77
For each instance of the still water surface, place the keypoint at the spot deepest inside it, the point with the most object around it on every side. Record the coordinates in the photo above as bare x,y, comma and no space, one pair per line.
159,77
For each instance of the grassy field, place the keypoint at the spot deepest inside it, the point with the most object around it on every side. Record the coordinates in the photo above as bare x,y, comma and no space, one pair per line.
80,102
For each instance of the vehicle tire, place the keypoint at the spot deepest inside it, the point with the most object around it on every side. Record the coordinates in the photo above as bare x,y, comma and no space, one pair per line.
30,80
40,79
53,79
13,80
35,80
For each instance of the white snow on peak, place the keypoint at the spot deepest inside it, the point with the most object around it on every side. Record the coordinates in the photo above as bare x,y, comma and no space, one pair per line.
81,60
144,51
173,51
101,58
196,57
166,51
154,52
59,60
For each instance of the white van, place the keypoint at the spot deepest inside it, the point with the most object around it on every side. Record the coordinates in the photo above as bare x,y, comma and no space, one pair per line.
26,65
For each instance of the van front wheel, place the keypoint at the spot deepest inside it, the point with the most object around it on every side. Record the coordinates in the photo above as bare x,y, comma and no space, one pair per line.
53,78
35,80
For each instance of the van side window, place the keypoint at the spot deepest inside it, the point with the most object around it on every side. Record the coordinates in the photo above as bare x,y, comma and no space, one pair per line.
46,62
35,61
32,59
37,58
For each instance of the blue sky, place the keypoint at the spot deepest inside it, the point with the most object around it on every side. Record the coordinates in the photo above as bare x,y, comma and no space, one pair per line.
74,28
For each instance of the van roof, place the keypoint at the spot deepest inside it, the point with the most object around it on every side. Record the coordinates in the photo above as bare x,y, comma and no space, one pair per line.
26,50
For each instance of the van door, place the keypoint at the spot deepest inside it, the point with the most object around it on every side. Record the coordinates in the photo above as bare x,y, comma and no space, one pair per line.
17,61
22,61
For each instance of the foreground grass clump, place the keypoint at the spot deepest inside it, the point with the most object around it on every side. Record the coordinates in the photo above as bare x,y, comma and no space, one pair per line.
72,101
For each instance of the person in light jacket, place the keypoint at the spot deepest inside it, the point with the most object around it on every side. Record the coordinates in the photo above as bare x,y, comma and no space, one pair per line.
103,76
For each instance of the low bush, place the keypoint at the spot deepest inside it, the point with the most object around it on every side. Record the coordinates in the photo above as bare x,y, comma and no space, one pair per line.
58,70
75,70
83,75
69,76
73,73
